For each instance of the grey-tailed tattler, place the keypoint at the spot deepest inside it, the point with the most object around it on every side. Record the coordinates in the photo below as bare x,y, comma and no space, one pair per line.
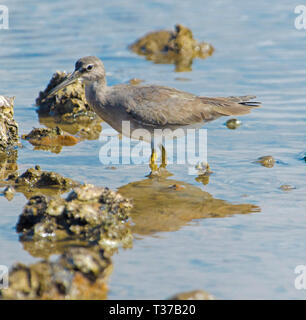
149,107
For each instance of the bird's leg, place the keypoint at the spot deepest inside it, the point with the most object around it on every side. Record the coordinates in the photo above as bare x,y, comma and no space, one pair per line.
153,160
163,157
160,171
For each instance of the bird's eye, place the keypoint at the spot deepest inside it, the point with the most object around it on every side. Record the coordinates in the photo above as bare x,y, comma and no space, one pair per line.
89,67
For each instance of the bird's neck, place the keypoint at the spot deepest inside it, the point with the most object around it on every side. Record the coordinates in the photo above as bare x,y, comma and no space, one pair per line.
95,93
99,84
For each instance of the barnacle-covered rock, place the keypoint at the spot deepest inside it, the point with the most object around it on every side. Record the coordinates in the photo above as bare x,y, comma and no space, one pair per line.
266,161
233,123
176,47
8,164
287,187
89,215
79,273
35,181
37,178
203,168
69,105
8,126
49,139
9,193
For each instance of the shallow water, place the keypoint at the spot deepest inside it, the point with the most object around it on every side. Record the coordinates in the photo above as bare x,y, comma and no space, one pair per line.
257,51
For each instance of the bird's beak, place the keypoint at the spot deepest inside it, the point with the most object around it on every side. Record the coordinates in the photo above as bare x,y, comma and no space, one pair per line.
73,77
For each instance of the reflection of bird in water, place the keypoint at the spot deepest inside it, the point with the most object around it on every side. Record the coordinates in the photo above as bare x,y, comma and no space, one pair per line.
167,205
159,205
149,107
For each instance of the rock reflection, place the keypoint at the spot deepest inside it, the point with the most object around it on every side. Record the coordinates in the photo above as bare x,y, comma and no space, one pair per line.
84,130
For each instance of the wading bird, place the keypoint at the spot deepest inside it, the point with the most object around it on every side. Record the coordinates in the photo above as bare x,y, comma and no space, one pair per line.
149,107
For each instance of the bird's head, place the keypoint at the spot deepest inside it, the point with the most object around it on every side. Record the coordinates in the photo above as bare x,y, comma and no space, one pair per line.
87,69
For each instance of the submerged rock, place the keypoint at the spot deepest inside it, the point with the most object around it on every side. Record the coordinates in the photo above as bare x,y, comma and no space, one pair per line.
233,123
302,156
193,295
37,178
203,168
287,187
8,164
8,126
9,193
175,47
69,105
35,181
79,273
203,173
49,139
266,161
89,214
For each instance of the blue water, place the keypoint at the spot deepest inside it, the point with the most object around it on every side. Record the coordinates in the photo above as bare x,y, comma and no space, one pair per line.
257,51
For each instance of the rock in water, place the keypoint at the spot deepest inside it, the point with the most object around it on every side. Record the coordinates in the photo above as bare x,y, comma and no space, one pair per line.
68,105
175,47
79,273
266,161
49,139
90,215
8,126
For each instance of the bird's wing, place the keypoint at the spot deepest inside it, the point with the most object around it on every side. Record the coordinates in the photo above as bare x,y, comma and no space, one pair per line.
157,105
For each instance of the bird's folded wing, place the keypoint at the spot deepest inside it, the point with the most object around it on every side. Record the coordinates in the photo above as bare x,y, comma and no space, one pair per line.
156,105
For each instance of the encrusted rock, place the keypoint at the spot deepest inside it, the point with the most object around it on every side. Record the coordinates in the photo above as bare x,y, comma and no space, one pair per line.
69,105
233,123
9,192
266,161
8,126
89,214
35,181
287,187
79,273
203,168
176,47
50,139
8,164
37,178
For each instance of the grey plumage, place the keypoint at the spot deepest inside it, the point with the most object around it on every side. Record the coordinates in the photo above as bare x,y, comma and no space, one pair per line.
149,106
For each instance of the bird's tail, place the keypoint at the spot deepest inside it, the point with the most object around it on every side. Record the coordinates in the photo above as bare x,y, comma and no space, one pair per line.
231,106
245,100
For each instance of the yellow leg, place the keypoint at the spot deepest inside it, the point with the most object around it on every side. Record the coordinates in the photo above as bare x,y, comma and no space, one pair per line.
153,159
164,157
